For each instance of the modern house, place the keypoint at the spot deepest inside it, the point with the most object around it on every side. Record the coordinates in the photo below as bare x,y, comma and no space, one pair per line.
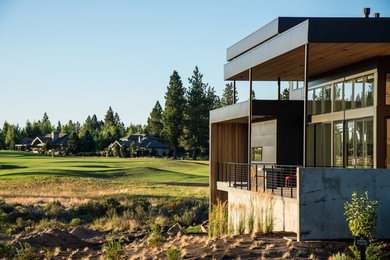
56,142
331,138
142,142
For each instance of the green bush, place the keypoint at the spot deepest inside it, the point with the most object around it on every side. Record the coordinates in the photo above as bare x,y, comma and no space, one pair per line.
113,249
54,210
155,238
50,223
75,222
26,252
361,215
373,252
173,253
7,250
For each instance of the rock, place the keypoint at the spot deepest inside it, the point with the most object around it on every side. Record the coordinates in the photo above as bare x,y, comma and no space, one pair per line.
84,233
204,226
49,238
176,229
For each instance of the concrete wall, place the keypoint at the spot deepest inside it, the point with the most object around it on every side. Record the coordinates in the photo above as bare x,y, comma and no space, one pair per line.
322,193
285,210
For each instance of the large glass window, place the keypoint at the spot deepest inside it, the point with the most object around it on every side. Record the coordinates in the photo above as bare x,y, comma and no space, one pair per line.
317,101
338,96
348,94
349,149
357,93
257,153
327,99
310,102
357,152
368,90
387,88
338,147
358,144
368,141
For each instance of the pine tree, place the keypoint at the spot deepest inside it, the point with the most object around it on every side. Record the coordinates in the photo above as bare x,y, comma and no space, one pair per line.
227,96
196,127
59,126
87,142
173,115
28,130
109,117
285,95
214,101
73,145
155,125
46,126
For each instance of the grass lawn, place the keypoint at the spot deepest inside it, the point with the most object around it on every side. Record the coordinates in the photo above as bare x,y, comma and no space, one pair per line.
29,177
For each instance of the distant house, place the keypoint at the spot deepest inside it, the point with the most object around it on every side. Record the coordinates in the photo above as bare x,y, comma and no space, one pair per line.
55,141
142,142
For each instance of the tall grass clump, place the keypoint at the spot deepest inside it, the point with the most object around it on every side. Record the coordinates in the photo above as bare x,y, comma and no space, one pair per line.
218,219
263,205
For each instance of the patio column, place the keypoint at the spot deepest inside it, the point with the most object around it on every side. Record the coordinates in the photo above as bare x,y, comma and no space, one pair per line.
250,117
305,87
234,92
278,88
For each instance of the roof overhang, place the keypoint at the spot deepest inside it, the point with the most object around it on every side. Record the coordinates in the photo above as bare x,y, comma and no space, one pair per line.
333,43
261,109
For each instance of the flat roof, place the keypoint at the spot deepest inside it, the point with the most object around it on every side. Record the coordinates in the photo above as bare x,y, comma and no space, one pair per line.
278,48
238,113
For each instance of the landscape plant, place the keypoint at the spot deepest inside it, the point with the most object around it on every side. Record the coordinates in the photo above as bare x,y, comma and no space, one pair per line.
173,253
112,248
362,217
218,219
26,252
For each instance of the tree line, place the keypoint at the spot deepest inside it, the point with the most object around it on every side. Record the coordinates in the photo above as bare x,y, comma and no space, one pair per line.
183,124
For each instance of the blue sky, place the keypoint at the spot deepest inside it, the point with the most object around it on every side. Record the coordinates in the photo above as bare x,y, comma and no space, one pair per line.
76,58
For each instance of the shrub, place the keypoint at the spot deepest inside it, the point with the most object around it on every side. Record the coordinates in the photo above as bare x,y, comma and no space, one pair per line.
173,253
54,210
26,252
155,238
361,215
50,223
113,249
373,252
75,222
7,250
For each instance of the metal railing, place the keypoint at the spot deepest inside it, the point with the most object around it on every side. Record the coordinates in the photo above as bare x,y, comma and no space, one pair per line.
279,179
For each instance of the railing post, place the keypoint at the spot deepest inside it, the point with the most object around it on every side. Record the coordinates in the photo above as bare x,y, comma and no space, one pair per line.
281,184
256,178
235,176
272,179
264,177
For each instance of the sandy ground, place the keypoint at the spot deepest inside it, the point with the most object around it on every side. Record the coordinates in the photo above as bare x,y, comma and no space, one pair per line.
85,244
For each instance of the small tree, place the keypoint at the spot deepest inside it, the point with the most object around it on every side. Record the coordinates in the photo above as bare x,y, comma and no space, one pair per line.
361,215
132,149
285,95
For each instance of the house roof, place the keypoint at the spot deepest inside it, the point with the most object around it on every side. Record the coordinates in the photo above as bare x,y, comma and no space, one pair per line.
61,140
141,141
278,48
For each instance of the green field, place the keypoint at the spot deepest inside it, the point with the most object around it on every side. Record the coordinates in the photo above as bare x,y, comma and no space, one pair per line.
26,176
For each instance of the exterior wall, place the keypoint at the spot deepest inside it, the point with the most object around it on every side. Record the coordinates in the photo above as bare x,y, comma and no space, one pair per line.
296,94
322,193
264,135
285,210
228,143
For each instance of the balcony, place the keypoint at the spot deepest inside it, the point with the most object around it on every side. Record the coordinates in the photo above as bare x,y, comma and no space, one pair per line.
280,180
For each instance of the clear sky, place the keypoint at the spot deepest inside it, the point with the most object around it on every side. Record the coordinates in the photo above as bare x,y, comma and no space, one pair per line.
75,58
